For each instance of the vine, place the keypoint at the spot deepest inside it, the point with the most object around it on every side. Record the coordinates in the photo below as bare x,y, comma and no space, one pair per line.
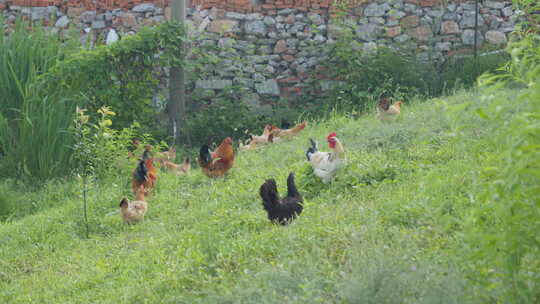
123,75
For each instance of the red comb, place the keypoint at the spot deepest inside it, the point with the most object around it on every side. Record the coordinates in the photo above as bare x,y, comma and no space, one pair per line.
331,135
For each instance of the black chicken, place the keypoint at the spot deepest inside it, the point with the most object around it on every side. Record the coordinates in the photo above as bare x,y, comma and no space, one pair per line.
283,210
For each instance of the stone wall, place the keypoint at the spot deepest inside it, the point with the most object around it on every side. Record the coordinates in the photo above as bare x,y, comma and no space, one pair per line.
280,41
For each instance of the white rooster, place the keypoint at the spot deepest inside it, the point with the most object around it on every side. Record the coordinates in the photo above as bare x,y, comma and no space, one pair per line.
326,164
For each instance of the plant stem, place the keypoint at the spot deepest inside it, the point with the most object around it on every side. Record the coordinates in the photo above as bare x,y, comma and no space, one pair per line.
85,185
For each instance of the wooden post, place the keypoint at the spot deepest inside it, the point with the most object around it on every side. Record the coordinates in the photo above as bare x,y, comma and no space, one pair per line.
177,86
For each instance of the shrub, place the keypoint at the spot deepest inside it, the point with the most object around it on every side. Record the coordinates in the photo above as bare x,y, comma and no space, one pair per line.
46,80
226,115
503,227
359,78
353,76
462,71
123,75
101,151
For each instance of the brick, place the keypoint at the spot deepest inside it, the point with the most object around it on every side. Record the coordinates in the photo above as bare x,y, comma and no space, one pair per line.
426,3
75,11
325,3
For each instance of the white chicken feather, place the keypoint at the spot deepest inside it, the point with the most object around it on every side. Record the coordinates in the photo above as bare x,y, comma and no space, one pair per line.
326,164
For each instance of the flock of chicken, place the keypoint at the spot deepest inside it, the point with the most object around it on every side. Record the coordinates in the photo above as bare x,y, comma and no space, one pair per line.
217,163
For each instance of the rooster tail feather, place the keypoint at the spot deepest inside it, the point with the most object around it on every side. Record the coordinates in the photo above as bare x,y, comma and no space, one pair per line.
269,194
204,154
292,191
141,173
146,155
300,127
313,144
311,149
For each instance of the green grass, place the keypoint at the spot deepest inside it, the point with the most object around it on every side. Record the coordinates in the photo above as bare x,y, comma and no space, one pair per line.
31,117
392,228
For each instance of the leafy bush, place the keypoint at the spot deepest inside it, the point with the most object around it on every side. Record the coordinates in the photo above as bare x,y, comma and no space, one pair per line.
101,151
45,81
353,76
462,71
503,227
530,9
359,78
123,75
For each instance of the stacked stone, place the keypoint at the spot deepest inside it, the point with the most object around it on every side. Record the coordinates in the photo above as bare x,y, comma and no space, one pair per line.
270,46
269,54
425,25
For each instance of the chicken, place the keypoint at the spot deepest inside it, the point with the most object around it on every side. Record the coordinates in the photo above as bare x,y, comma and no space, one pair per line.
169,155
386,112
145,174
133,211
279,133
255,141
217,163
178,169
326,164
283,210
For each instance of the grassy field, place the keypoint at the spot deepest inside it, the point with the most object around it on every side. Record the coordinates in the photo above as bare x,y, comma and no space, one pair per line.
394,227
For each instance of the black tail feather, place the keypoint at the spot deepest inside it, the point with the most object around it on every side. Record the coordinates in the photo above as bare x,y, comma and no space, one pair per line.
141,172
204,154
146,155
269,194
291,186
311,149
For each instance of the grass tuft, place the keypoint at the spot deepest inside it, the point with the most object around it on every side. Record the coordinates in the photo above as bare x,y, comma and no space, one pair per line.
393,227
